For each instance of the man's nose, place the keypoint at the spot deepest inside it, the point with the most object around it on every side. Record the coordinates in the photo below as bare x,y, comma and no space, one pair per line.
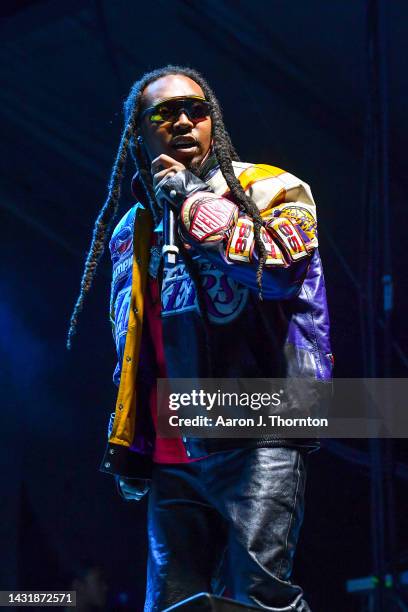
183,121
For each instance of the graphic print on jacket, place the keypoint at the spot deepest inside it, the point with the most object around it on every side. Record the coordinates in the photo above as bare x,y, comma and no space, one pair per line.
123,252
225,298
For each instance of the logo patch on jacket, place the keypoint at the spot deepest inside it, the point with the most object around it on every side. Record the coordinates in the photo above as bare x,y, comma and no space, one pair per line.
225,299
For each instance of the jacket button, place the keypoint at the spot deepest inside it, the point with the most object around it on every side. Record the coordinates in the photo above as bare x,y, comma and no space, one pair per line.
188,453
111,451
107,464
120,406
173,193
138,260
135,310
128,358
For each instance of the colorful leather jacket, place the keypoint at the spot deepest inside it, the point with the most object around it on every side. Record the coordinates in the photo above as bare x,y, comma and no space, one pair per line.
284,202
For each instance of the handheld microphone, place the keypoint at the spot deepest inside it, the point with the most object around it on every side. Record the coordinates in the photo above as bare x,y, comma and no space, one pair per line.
170,249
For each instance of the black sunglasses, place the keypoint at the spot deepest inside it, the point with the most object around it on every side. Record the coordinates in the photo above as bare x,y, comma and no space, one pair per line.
195,107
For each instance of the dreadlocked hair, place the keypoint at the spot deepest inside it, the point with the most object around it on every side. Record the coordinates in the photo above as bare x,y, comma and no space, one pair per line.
222,148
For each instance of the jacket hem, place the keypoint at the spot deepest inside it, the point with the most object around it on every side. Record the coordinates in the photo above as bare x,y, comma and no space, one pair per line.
120,460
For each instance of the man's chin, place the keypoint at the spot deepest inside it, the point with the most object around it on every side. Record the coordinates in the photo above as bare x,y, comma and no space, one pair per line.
188,158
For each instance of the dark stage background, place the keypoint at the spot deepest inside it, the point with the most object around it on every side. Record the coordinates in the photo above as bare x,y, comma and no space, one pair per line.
292,81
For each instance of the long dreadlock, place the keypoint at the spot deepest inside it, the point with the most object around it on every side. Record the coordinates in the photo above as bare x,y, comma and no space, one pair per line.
223,150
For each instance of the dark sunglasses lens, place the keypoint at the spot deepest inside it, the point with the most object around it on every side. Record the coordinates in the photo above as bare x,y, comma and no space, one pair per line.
198,110
162,112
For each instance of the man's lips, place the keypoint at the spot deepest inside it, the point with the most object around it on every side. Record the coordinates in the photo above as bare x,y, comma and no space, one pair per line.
183,142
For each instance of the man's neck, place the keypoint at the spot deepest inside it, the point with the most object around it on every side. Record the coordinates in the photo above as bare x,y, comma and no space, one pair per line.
202,168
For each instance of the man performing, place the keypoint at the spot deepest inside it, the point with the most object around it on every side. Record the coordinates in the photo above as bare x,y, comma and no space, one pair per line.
245,298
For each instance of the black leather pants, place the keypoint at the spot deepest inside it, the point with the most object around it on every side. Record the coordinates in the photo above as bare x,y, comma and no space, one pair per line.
239,511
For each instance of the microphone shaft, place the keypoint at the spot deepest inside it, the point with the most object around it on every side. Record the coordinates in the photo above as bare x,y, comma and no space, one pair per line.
170,249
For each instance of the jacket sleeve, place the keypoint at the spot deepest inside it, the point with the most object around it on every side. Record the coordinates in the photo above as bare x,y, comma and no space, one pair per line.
214,226
112,318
